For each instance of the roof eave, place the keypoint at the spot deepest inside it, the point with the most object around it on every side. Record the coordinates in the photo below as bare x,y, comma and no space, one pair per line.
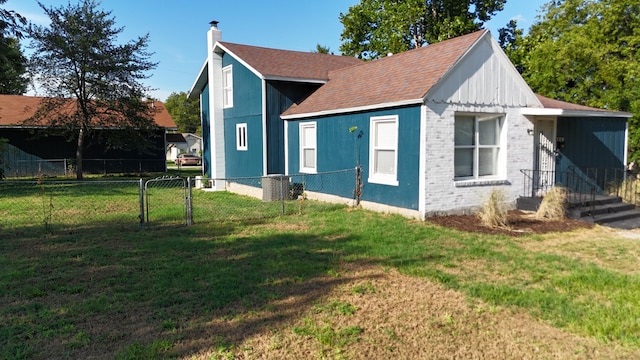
574,113
294,79
199,83
352,109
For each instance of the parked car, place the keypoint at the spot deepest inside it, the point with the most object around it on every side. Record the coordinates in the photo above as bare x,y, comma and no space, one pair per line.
188,159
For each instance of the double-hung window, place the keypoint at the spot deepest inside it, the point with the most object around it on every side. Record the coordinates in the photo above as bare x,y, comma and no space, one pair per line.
477,146
383,153
241,137
308,147
227,87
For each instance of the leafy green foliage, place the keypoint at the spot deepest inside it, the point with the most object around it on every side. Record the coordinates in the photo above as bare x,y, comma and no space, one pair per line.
374,28
80,57
321,49
12,61
585,52
12,68
185,112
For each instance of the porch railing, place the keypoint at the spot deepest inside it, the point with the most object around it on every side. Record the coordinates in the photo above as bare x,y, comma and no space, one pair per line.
584,184
582,192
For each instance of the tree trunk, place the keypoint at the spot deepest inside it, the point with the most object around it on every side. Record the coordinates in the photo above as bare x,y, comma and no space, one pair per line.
79,154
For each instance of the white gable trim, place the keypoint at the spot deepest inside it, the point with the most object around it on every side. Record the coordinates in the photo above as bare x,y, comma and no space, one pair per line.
353,109
221,48
200,81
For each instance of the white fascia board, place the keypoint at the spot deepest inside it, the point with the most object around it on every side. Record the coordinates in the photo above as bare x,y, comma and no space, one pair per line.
354,109
573,113
198,84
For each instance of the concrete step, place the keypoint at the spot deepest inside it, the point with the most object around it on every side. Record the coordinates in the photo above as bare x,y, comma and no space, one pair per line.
610,208
604,219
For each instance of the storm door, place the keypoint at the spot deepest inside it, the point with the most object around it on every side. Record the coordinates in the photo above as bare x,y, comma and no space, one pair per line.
545,159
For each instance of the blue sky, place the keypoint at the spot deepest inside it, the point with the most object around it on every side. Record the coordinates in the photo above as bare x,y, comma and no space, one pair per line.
177,28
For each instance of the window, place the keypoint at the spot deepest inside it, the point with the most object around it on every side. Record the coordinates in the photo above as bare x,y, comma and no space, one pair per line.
241,137
477,146
227,87
383,156
308,147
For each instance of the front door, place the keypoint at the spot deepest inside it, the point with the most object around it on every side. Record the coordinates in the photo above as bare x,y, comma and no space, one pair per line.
545,159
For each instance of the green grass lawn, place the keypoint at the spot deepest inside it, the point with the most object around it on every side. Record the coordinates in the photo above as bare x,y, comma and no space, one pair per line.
105,287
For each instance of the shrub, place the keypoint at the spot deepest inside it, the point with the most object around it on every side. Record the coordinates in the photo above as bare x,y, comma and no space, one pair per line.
553,204
494,212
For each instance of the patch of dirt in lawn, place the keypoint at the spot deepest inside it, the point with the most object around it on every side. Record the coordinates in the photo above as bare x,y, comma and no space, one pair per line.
519,223
378,313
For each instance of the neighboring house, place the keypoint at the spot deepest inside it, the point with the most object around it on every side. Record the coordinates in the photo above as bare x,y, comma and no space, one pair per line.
185,143
175,143
31,143
434,129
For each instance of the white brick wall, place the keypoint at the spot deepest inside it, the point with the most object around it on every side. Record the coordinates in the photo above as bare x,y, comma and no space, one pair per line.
442,196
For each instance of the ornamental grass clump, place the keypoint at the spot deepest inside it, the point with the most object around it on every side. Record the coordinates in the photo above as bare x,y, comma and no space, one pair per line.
553,204
494,212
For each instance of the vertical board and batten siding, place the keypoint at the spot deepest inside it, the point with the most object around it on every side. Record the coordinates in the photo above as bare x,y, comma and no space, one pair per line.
280,96
591,142
484,82
247,109
484,77
339,149
205,117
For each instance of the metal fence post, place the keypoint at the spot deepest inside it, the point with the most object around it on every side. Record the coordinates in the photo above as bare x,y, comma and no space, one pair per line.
189,203
141,200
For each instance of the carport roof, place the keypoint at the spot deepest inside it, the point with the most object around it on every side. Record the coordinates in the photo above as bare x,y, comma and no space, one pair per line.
553,107
15,109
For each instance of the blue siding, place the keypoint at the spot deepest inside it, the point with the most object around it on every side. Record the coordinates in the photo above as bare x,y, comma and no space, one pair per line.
280,96
247,108
339,149
590,144
206,133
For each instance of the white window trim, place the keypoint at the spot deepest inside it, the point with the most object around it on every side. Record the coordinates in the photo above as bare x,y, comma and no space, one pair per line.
501,146
382,179
241,137
227,101
303,169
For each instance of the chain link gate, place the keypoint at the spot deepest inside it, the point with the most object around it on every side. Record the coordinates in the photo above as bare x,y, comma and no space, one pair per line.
166,201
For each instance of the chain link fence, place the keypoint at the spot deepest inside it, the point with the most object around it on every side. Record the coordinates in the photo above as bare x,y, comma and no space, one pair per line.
169,201
19,164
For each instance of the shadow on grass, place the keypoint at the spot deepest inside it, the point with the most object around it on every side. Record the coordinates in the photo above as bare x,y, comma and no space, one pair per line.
104,289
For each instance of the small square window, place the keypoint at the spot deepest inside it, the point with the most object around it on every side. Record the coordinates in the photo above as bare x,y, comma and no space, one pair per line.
477,146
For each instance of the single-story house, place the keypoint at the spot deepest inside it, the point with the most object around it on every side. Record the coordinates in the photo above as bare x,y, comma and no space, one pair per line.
183,143
434,130
32,145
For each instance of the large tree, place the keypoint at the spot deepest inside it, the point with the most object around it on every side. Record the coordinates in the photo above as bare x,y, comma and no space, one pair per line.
12,61
374,28
13,67
92,79
587,52
185,112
